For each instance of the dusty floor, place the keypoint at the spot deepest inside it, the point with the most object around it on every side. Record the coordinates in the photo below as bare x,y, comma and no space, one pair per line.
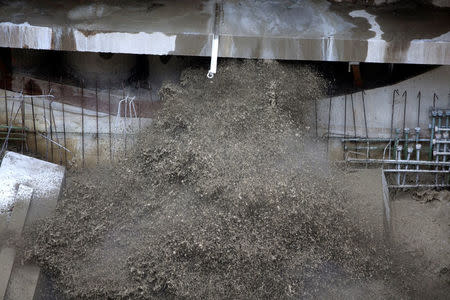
227,196
421,233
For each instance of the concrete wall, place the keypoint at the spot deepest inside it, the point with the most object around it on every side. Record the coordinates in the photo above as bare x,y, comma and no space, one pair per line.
80,131
378,104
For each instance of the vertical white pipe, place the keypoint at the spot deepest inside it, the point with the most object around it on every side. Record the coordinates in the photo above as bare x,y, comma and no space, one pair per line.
214,54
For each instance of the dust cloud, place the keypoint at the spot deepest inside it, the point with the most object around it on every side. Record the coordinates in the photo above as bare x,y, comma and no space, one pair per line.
227,195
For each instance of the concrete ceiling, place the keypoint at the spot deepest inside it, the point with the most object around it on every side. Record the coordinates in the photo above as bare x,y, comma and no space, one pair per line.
276,29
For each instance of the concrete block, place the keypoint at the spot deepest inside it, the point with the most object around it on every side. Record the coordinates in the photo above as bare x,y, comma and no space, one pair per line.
15,226
46,179
7,255
23,282
24,178
20,210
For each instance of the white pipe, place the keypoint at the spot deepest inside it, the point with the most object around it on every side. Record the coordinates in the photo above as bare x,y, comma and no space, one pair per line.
214,53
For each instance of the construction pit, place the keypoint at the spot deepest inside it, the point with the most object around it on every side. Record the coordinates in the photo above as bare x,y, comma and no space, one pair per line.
211,150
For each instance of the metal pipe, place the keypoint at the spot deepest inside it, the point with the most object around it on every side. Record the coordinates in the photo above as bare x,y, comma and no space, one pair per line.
438,128
397,133
444,159
435,141
362,148
417,130
6,103
354,118
329,124
395,162
13,127
418,148
405,149
405,94
447,116
12,139
440,153
345,120
433,122
413,171
13,133
410,150
82,123
380,140
392,121
419,96
440,115
419,186
438,136
365,122
398,158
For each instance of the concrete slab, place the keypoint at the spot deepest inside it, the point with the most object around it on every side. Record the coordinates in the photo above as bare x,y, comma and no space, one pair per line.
20,210
24,178
6,263
270,29
46,179
15,226
23,282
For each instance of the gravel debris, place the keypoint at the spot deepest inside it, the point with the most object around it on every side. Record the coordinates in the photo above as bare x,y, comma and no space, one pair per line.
227,195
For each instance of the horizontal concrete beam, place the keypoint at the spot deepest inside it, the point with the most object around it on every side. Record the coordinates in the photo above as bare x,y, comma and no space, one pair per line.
281,29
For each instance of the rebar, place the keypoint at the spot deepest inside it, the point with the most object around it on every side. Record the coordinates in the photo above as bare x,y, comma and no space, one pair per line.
6,104
405,94
397,133
34,119
392,112
45,124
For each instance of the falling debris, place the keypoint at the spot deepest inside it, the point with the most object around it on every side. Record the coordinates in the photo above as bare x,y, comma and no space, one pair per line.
227,195
431,195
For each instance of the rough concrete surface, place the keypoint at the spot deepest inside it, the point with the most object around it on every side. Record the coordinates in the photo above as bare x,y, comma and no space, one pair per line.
29,190
421,227
46,180
380,109
281,29
12,287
